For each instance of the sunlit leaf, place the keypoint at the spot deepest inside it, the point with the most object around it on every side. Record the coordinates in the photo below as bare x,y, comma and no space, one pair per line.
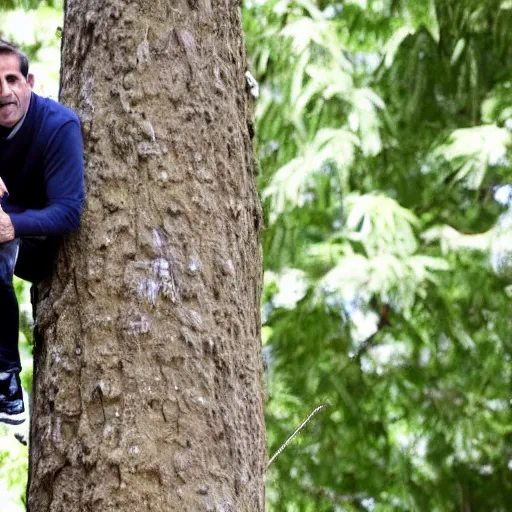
472,150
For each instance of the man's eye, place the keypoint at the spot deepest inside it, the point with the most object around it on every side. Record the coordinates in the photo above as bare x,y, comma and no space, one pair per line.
12,79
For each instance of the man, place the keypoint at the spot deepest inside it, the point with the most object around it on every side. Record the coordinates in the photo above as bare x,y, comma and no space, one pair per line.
42,193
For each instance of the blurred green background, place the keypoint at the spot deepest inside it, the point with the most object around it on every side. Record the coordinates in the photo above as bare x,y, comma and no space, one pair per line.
383,131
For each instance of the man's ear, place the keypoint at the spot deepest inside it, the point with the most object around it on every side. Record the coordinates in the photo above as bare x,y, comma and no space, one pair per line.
30,80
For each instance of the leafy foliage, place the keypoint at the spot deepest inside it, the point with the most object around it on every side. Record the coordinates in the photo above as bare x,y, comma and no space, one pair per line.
37,32
384,134
30,4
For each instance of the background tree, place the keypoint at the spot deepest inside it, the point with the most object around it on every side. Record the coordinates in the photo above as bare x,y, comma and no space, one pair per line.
384,136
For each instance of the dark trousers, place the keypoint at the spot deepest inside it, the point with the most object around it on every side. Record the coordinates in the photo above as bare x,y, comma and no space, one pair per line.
30,259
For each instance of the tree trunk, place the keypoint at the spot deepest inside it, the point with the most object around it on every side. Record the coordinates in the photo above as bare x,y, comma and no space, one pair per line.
147,388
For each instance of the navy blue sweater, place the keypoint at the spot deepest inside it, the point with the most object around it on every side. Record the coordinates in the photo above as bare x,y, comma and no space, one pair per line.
43,170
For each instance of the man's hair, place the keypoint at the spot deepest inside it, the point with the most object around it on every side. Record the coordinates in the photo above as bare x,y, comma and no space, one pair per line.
7,48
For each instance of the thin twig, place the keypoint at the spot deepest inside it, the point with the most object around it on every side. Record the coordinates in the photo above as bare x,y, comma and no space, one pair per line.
302,425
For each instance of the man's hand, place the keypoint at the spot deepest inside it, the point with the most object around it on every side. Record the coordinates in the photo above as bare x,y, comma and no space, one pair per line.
3,188
6,227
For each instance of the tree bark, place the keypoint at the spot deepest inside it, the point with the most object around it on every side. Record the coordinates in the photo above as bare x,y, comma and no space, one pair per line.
147,383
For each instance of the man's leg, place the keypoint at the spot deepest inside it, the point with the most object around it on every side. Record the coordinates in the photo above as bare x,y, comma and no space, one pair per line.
9,356
36,258
32,260
11,397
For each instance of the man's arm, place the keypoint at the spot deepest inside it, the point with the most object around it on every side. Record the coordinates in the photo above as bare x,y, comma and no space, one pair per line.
64,184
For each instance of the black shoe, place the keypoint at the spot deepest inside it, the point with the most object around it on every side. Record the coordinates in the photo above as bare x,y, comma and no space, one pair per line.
11,399
21,438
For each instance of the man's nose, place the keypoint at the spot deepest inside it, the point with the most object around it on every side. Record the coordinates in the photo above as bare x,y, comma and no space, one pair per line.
5,89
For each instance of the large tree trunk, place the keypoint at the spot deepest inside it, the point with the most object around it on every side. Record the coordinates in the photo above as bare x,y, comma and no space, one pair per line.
147,385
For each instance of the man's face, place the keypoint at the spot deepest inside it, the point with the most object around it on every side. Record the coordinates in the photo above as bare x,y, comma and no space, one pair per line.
15,90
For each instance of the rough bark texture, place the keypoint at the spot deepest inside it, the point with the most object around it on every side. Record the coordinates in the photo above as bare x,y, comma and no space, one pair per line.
147,367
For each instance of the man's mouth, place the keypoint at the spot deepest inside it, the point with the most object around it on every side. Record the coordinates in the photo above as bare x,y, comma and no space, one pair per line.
7,103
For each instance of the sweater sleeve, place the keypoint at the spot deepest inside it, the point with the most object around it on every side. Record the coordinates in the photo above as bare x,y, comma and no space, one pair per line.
64,184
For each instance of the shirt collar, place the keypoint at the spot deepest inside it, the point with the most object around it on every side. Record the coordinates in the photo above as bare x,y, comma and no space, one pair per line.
16,129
